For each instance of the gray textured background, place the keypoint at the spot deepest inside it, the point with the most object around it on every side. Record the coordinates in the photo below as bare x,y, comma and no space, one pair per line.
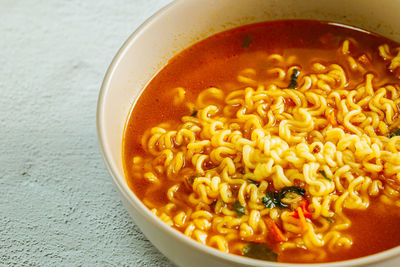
58,205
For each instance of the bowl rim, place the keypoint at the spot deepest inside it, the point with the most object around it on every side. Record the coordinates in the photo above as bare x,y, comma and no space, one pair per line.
120,182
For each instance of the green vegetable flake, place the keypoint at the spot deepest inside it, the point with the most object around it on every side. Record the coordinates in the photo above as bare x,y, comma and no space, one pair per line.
238,208
274,199
293,79
247,41
324,175
269,201
253,182
259,251
328,219
294,189
394,132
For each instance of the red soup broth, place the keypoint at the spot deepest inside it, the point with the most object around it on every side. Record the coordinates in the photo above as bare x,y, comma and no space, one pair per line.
215,62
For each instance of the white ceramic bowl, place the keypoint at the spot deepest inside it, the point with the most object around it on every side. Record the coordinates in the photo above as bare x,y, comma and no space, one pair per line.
165,34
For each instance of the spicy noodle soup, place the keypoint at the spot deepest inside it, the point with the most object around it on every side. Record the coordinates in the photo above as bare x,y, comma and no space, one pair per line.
277,141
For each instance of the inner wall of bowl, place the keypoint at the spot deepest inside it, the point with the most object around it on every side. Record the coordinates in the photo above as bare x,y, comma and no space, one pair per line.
190,21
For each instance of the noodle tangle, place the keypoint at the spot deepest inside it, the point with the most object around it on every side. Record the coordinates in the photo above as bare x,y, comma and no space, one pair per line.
327,136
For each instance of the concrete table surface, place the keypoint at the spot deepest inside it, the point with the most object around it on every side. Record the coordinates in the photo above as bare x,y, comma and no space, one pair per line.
58,206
